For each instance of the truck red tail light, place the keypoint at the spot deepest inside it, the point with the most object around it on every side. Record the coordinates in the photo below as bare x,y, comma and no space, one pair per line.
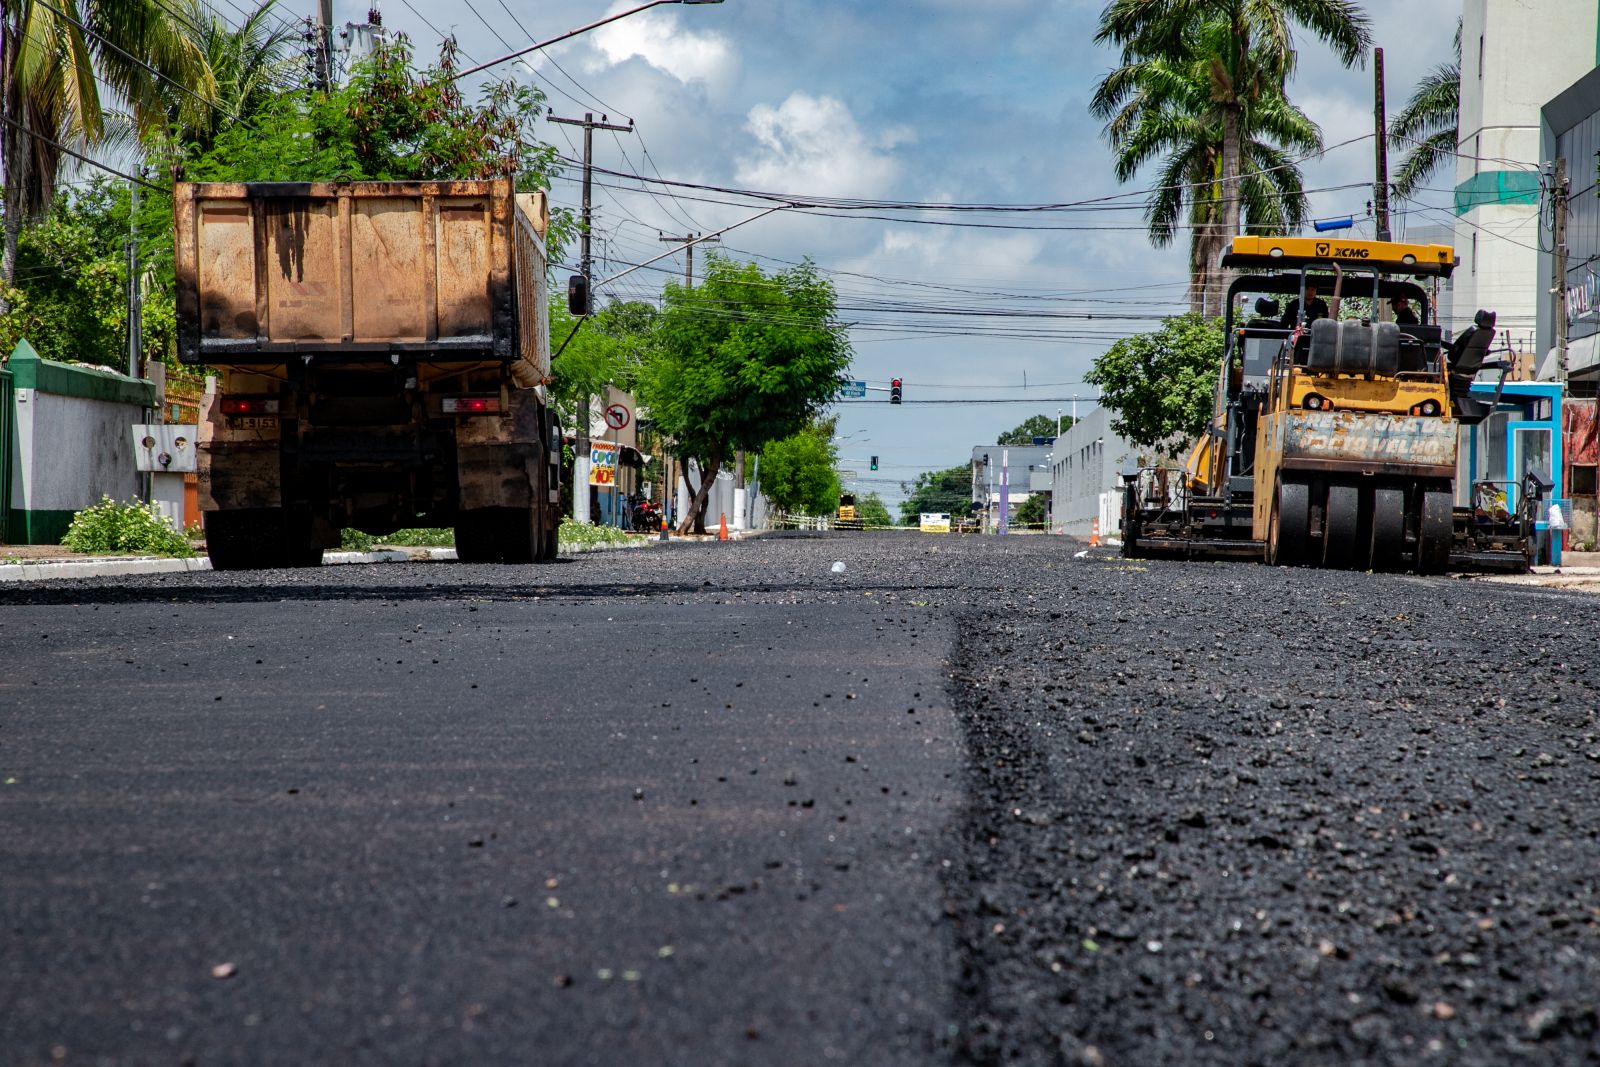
471,405
249,405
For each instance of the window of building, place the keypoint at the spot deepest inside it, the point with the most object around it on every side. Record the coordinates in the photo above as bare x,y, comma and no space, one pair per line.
1474,254
1480,57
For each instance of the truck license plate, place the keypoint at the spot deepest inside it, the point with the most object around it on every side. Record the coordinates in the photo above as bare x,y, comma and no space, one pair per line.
254,422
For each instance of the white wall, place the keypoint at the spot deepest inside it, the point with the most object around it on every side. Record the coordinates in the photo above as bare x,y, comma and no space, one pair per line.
1087,463
1529,53
71,451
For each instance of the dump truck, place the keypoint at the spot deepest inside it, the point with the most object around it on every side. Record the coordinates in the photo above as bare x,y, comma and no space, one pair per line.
380,356
1333,441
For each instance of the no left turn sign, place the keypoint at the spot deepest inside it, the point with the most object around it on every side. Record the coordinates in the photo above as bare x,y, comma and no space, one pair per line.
617,416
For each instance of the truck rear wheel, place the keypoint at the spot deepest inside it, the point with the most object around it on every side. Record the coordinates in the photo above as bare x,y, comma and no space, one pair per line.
255,538
500,535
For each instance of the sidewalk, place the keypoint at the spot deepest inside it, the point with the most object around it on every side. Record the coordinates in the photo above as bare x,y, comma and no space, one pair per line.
24,563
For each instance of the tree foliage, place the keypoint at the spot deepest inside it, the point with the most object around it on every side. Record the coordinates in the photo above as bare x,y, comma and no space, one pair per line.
1239,54
744,359
872,511
1034,426
1159,386
609,348
1034,511
949,490
798,473
1425,128
70,294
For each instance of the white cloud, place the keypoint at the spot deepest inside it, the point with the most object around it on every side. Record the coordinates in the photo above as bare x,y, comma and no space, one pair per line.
813,145
657,38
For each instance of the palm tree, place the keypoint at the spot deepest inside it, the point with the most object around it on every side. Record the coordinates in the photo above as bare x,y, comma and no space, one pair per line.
54,57
1427,125
1250,54
1163,107
247,64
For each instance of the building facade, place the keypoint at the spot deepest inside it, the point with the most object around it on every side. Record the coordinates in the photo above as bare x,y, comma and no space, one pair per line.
1086,470
1514,58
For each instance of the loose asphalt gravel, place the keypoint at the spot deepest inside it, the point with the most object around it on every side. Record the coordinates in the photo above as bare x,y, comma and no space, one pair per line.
971,801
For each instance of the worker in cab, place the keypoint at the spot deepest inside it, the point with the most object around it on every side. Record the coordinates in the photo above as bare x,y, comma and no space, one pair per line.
1404,315
1316,308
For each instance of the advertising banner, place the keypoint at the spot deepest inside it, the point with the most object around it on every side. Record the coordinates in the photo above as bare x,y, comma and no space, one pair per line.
602,463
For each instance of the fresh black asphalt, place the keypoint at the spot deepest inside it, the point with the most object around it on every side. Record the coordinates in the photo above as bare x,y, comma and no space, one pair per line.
971,801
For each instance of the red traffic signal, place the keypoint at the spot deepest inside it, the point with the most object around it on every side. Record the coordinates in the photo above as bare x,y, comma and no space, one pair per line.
894,390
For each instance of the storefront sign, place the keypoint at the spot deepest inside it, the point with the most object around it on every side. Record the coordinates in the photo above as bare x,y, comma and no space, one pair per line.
602,463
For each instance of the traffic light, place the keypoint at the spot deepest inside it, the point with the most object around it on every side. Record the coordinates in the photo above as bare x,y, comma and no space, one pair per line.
894,390
874,463
578,295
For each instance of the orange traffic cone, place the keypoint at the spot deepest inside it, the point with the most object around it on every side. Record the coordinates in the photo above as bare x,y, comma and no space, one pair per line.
1094,534
722,527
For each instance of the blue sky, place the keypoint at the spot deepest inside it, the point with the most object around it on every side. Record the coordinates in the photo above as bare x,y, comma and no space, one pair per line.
946,101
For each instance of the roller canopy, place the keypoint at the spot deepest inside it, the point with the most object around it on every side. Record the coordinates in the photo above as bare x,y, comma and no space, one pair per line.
1284,253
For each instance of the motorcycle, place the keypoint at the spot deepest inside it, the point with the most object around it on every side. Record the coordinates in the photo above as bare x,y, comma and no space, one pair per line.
645,515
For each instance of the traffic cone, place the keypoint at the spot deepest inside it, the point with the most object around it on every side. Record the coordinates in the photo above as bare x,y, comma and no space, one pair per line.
722,527
664,535
1094,534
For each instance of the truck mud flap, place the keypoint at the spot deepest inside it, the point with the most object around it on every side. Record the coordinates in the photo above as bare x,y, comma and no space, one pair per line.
497,459
232,477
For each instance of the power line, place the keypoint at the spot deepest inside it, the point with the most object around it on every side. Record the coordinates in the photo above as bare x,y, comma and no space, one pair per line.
9,121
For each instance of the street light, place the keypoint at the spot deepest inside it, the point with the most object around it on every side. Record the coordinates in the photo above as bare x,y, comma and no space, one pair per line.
574,33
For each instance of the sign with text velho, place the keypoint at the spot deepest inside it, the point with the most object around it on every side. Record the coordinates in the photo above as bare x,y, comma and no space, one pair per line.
602,463
935,522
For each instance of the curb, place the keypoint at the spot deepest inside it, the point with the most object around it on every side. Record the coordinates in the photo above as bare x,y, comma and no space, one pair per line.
114,566
29,572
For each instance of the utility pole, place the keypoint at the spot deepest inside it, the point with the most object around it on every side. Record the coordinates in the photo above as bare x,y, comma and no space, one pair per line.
1380,198
580,472
1558,284
323,45
134,324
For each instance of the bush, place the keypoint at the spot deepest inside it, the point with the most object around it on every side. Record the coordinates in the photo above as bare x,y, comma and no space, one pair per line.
573,533
132,527
422,538
353,540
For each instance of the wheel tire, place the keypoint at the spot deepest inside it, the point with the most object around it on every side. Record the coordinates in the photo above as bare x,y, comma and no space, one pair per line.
1388,529
474,540
1289,532
1341,526
1435,531
246,539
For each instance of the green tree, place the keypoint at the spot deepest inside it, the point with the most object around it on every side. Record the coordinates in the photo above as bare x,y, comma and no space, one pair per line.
798,473
1034,511
57,57
608,348
1248,46
1159,386
873,511
247,65
388,122
1034,426
948,491
70,293
1426,126
743,359
1163,106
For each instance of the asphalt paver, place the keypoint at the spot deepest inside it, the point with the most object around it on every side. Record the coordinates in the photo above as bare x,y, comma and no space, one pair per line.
969,801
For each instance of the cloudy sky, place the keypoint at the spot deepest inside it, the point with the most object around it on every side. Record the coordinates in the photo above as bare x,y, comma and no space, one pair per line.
911,101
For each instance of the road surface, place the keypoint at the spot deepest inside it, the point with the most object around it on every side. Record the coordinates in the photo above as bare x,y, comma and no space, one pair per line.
970,801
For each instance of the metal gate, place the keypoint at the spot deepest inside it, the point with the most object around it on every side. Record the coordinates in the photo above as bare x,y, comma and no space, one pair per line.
8,436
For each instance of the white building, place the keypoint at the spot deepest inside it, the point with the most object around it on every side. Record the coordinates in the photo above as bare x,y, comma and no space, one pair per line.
1086,467
1514,58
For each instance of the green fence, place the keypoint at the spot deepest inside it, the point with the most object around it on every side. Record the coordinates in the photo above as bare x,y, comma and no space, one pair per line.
8,444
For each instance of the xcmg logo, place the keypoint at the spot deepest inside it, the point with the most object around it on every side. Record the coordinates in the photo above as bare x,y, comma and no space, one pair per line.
1325,249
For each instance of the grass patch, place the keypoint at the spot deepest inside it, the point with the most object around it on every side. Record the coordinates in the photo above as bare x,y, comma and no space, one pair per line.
573,533
437,537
